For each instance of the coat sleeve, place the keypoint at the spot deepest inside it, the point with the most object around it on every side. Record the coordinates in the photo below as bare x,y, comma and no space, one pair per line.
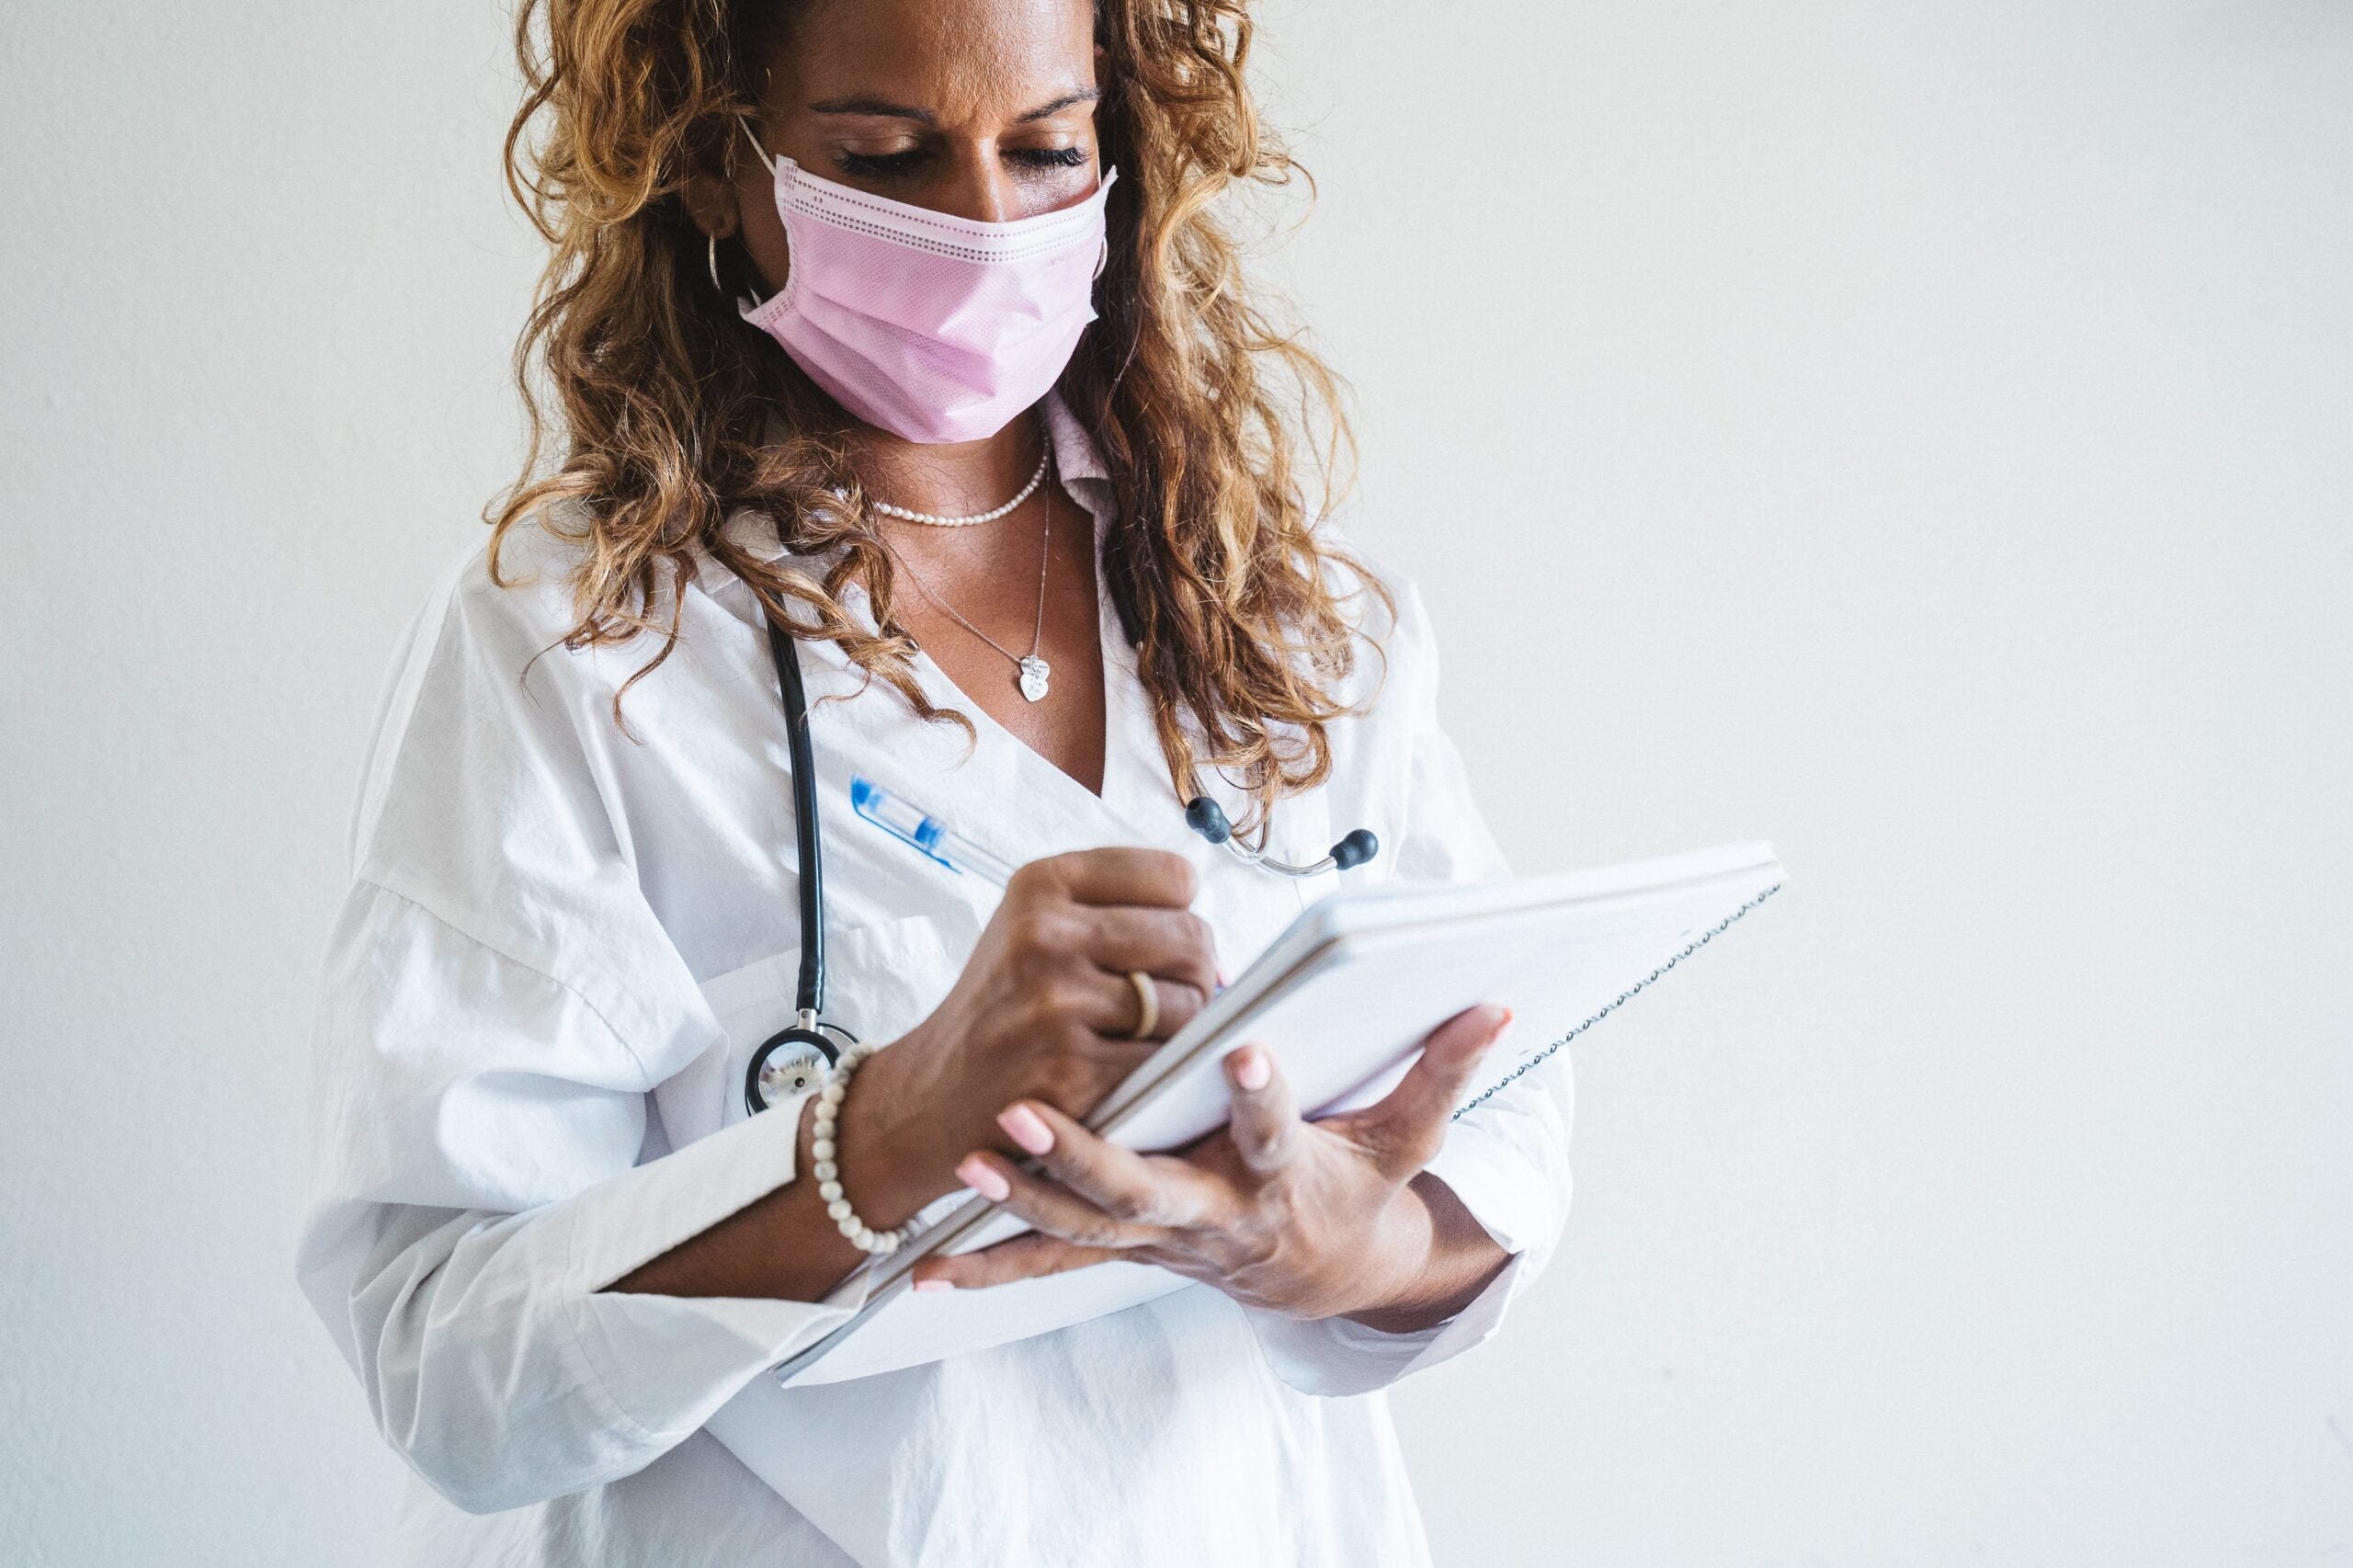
1507,1160
495,1005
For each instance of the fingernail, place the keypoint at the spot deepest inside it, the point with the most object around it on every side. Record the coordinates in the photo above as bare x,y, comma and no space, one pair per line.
1253,1071
1023,1126
982,1178
934,1285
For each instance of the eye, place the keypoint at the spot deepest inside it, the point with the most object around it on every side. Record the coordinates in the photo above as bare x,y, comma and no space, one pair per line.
880,165
1048,158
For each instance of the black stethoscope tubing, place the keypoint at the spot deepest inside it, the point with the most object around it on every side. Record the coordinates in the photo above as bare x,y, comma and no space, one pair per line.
809,995
809,1030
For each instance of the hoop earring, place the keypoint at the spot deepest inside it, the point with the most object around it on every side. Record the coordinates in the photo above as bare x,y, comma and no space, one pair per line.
713,254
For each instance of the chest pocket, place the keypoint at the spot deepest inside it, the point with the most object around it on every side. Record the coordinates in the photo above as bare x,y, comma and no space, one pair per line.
880,980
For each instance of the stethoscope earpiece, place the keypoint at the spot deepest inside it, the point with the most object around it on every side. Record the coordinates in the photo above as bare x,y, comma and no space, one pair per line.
1354,849
1207,818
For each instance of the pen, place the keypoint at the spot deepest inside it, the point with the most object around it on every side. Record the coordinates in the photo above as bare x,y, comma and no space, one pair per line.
933,839
926,834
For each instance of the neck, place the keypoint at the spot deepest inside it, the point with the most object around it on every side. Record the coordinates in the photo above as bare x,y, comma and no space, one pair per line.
955,480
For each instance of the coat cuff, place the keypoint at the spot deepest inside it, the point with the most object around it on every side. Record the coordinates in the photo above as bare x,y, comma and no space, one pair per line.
665,1363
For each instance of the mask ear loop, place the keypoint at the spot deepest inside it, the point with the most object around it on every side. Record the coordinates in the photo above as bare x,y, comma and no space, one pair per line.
1103,255
758,151
768,163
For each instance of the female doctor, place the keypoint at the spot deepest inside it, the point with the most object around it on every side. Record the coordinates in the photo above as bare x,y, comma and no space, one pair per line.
905,327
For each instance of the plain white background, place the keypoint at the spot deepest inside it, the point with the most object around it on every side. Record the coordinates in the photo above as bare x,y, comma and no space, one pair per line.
1921,433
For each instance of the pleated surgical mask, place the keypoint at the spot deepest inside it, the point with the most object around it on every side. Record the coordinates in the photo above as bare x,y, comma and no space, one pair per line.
933,327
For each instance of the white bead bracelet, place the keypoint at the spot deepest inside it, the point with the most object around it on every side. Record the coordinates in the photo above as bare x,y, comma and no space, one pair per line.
823,1151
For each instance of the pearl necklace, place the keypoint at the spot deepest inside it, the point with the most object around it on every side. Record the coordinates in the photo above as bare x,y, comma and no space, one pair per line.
992,515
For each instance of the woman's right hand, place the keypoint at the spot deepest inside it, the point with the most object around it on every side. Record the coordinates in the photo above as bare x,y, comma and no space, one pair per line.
1043,1009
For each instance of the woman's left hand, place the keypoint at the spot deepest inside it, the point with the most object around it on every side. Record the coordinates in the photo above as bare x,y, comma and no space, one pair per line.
1310,1218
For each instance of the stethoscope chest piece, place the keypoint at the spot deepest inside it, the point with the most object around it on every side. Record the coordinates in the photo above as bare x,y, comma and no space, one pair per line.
794,1061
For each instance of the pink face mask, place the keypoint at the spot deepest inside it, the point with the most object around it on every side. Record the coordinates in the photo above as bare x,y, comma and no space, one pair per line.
932,327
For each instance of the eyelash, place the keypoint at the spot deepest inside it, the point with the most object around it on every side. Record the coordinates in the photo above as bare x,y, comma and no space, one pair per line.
889,166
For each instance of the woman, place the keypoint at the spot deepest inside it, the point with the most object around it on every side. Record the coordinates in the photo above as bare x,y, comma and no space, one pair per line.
903,325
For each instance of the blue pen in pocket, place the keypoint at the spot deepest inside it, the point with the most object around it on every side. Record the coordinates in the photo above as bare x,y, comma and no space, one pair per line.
927,835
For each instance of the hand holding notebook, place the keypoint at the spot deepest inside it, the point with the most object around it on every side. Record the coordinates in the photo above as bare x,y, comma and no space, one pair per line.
1303,1218
1342,1000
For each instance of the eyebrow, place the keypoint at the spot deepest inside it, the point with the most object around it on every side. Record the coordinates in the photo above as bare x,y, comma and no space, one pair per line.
1047,111
866,104
862,104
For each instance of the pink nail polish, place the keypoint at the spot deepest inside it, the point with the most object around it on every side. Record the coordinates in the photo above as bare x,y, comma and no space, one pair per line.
977,1174
1024,1127
934,1285
1253,1069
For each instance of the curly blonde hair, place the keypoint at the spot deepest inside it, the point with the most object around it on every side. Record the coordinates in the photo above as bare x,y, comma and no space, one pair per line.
1209,415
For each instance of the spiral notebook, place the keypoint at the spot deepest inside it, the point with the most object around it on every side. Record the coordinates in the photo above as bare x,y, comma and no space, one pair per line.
1343,998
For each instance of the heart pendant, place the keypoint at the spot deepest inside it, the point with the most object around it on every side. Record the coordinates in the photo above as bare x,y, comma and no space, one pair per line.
1033,677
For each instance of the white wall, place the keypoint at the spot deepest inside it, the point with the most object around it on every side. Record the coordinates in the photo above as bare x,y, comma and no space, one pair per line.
1920,433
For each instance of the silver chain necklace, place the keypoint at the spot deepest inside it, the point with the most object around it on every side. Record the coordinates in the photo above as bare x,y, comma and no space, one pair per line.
1034,671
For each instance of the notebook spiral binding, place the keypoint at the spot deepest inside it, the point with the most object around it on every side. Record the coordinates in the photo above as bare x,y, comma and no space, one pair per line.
1702,940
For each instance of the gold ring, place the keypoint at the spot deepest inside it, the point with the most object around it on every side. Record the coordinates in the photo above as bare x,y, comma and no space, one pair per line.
1147,994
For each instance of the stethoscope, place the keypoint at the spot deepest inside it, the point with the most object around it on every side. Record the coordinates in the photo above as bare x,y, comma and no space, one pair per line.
795,1059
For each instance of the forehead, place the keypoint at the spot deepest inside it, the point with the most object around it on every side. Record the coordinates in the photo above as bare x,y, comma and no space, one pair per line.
948,55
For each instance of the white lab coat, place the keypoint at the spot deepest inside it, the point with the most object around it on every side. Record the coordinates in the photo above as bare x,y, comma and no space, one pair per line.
553,928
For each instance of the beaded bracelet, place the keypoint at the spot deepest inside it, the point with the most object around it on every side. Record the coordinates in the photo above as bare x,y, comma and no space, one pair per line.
829,1171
